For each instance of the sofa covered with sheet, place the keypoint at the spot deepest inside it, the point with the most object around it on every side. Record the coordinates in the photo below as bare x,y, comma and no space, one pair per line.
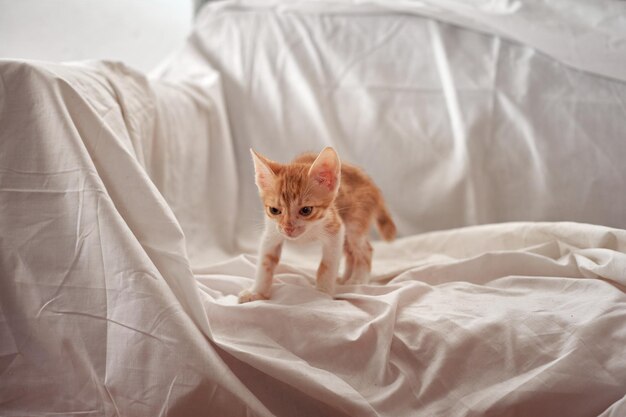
129,218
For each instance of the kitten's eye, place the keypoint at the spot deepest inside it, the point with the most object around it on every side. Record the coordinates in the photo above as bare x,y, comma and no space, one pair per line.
306,211
274,211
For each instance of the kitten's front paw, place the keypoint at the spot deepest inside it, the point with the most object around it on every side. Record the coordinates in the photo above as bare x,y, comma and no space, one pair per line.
249,295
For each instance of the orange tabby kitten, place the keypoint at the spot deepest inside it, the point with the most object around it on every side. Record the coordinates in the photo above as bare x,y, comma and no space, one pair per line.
318,198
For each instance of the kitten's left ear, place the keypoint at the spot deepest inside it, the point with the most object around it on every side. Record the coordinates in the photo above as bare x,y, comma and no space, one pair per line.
326,170
264,174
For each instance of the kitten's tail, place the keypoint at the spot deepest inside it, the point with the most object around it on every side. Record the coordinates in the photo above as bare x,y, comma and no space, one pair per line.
385,225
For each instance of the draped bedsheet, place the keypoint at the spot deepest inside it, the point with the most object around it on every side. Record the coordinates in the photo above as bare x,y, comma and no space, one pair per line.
129,220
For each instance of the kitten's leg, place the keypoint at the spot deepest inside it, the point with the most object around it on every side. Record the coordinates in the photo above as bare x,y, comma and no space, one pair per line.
362,252
269,255
347,250
329,266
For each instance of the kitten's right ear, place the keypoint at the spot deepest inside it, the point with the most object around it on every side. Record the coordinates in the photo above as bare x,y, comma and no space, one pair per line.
326,170
264,176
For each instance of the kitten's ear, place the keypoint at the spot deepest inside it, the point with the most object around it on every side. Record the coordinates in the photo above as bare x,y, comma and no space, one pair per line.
326,170
264,176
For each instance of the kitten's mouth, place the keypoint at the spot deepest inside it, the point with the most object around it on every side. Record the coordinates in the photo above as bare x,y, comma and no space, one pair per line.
292,233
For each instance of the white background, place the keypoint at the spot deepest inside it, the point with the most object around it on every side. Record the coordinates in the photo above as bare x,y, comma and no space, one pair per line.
138,32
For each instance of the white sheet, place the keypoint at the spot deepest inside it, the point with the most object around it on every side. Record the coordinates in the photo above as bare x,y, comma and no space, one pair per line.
492,129
586,35
100,311
513,319
127,214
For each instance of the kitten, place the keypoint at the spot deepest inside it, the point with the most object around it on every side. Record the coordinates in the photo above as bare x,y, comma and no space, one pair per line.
318,198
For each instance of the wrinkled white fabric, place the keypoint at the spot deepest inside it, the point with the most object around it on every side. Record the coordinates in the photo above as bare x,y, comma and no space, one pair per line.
100,311
456,127
586,35
512,319
129,218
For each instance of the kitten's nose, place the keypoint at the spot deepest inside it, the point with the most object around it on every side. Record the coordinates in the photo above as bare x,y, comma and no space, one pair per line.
289,229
